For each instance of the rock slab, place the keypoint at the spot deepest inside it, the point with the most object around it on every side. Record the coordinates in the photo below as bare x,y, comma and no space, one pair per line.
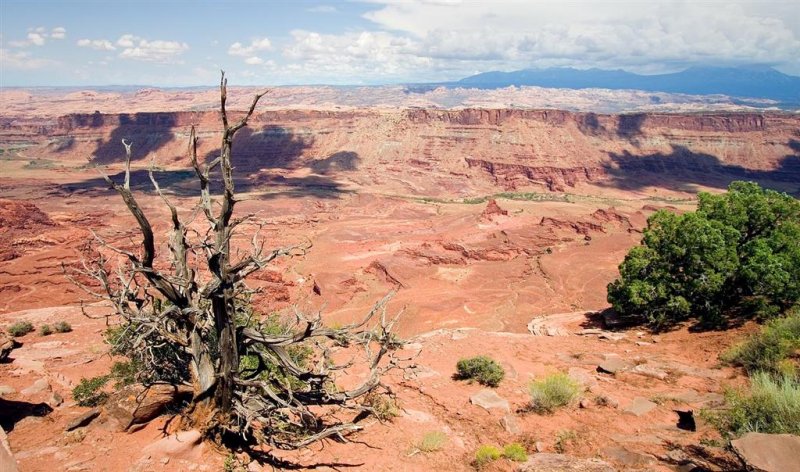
544,462
489,399
769,452
7,461
640,406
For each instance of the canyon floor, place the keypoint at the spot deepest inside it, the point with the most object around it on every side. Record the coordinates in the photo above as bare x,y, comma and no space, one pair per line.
495,243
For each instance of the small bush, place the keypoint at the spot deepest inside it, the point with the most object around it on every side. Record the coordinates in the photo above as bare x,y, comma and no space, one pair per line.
431,442
383,406
486,454
45,330
124,373
515,452
482,369
771,406
553,392
20,328
771,349
62,327
89,391
564,438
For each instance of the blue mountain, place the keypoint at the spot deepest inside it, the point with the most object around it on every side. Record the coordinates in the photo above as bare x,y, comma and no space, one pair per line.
745,82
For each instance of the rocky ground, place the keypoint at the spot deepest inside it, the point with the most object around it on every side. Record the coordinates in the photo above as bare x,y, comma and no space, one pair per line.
521,278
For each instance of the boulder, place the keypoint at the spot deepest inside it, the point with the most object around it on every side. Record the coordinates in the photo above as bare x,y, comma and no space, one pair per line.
640,406
612,364
769,452
489,399
628,458
649,371
7,461
582,376
38,386
137,404
83,420
510,424
7,344
544,462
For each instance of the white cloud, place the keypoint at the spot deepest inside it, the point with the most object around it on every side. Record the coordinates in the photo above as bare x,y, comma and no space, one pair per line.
258,44
97,44
38,36
140,49
642,35
58,32
254,60
127,40
22,60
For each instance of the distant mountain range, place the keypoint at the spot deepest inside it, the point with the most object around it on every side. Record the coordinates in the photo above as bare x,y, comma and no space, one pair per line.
748,81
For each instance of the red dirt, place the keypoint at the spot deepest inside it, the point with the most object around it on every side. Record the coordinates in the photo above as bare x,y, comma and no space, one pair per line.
384,198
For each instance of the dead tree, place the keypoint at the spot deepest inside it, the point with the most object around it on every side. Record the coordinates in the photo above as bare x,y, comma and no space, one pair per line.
251,378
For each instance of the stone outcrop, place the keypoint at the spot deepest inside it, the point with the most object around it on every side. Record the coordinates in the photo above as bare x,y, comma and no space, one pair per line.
136,404
769,452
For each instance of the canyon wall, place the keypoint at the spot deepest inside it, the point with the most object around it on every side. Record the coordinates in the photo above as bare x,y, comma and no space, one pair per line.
443,152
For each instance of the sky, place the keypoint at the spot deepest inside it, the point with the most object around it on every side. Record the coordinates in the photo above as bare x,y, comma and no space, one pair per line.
351,42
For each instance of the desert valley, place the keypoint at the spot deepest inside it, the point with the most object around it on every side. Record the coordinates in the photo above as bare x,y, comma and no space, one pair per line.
498,227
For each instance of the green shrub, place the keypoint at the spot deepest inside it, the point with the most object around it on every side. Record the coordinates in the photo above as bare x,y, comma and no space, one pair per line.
62,327
553,392
20,328
737,251
124,373
45,330
771,349
515,452
486,454
431,441
482,369
772,405
89,391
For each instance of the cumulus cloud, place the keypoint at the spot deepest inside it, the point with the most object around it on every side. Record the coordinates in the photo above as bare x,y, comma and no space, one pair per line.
152,51
38,36
97,44
138,48
523,34
58,32
249,52
258,44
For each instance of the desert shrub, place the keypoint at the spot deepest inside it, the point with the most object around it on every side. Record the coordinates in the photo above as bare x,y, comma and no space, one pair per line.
45,330
553,392
383,407
89,391
431,441
515,452
564,438
487,454
20,328
772,349
772,405
62,327
124,373
482,369
737,252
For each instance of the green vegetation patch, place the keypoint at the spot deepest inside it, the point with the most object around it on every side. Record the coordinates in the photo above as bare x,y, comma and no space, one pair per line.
553,392
20,328
482,369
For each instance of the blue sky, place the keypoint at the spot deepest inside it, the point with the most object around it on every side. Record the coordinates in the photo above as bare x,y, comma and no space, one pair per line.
185,43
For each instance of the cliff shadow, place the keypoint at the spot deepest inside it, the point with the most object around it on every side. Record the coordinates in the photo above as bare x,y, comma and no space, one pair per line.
148,132
268,162
12,412
630,125
683,167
